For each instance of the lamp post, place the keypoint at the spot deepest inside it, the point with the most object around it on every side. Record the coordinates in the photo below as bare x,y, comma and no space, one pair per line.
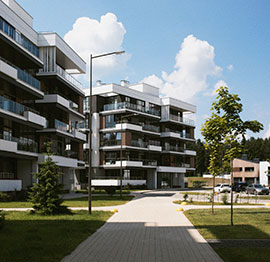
90,127
121,152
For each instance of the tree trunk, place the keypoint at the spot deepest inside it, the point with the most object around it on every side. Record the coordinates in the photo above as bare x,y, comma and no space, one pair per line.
213,196
231,193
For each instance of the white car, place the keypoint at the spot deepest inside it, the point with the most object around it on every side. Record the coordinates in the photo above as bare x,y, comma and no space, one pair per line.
222,188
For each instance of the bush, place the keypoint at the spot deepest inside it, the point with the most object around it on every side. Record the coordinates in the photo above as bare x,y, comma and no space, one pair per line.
2,219
4,197
110,190
224,198
210,197
185,197
198,184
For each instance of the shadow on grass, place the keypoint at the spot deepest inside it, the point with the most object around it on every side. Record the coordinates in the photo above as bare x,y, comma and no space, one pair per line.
33,237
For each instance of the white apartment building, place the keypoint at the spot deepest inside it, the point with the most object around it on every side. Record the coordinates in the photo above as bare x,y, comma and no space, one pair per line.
39,101
149,135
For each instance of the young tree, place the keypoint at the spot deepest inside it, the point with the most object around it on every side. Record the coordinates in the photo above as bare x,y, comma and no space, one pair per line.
45,193
226,128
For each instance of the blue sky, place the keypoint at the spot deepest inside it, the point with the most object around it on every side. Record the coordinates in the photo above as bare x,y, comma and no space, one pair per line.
153,33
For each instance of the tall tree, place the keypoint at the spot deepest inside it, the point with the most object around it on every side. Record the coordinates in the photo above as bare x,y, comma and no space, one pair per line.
226,130
202,157
45,193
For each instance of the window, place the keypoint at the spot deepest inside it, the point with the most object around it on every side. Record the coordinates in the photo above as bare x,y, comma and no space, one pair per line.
249,169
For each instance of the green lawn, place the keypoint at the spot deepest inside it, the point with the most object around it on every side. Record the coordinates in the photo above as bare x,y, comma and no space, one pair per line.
248,224
216,203
77,202
28,237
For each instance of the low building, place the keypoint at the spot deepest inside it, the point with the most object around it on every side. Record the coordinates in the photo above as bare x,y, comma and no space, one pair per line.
245,171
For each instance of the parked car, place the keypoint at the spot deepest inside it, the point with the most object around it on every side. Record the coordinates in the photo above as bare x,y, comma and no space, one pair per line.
257,189
222,188
239,186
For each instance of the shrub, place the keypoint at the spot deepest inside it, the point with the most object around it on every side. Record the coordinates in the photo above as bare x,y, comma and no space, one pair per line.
224,198
4,197
110,190
210,197
198,184
2,219
185,197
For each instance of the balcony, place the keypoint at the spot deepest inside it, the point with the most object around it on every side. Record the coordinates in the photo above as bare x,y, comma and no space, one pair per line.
151,128
182,120
21,75
22,144
18,38
65,104
26,113
130,106
64,75
173,148
139,143
176,134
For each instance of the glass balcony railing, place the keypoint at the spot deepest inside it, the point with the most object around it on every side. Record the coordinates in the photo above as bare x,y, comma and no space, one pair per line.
60,71
154,143
138,143
61,126
25,77
173,148
110,143
151,128
182,134
14,107
182,119
127,105
24,144
18,37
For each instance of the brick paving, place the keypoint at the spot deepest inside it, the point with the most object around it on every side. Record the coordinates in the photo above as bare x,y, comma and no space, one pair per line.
146,229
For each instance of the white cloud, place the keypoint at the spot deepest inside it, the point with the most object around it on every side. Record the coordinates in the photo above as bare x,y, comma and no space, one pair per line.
90,36
194,63
267,133
230,67
216,87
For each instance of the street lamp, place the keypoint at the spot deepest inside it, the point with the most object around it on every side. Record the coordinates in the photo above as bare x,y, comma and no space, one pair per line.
121,152
90,127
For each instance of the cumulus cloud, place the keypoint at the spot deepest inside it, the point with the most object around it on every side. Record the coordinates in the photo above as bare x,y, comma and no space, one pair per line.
216,87
90,36
267,133
194,63
230,67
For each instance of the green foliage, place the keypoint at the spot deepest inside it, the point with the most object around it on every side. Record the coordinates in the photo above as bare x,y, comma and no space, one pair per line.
2,219
45,193
224,198
198,184
4,197
223,129
210,197
110,190
185,197
202,157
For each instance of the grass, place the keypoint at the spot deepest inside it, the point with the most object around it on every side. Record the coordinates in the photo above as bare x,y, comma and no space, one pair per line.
207,203
248,223
30,237
97,201
244,254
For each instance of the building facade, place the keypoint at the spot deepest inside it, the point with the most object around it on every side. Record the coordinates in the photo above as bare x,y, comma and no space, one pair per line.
246,171
136,131
265,173
39,101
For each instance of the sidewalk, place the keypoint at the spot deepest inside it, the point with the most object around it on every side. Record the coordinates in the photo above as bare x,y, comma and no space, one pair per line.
146,229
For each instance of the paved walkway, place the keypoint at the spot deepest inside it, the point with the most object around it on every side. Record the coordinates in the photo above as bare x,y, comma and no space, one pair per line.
146,229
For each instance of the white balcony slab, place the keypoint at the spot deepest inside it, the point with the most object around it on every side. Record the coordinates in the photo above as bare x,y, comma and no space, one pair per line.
35,118
8,146
171,169
60,160
125,163
79,135
190,152
85,146
170,134
116,182
8,70
155,148
10,185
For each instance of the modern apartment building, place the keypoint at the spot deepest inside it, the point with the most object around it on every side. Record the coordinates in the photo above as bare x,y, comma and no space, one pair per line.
39,101
146,136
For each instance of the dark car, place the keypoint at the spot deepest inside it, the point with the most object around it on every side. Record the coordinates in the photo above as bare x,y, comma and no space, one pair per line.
240,186
257,189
